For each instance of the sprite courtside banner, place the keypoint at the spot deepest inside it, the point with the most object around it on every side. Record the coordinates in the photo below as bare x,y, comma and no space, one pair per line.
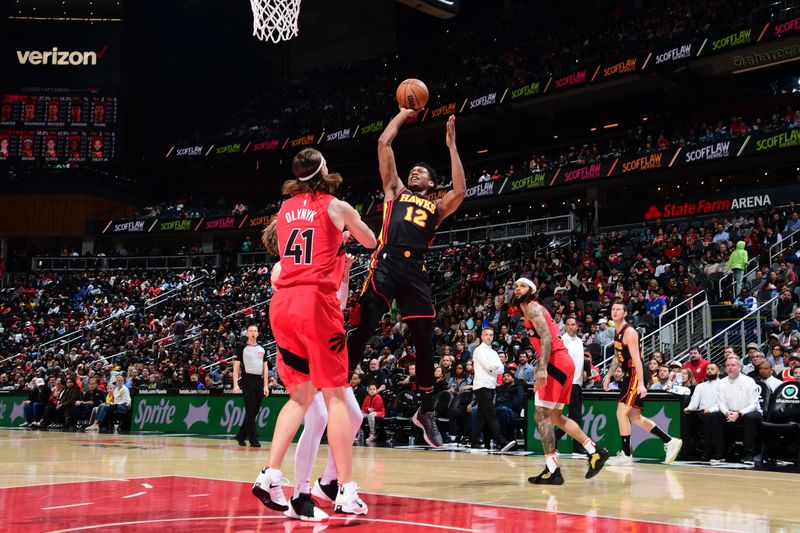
202,415
600,424
11,413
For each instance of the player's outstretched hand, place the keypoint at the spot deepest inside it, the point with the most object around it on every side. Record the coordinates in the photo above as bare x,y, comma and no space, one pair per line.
348,260
450,138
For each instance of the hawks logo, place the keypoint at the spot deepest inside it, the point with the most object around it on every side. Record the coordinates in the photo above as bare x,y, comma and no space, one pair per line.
337,342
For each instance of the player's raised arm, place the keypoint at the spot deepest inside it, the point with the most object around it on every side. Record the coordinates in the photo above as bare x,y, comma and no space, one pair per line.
450,202
342,212
386,163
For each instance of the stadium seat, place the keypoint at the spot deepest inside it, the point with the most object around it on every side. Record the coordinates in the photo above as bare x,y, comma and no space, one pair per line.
780,429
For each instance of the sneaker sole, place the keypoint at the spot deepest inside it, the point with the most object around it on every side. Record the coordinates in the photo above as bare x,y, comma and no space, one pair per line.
289,513
264,498
338,509
558,481
421,426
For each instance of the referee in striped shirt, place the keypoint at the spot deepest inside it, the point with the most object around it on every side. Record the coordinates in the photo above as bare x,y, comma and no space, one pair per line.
252,358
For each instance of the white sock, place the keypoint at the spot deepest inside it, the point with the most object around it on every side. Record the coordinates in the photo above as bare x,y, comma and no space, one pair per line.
552,462
356,417
589,446
305,454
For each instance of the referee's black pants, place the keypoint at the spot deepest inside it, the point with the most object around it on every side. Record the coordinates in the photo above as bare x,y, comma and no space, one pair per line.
486,415
253,391
576,414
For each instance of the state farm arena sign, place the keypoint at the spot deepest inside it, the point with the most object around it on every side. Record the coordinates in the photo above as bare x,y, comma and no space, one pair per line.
705,206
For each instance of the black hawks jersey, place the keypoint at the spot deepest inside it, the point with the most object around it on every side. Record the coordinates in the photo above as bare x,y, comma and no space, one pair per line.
623,354
409,221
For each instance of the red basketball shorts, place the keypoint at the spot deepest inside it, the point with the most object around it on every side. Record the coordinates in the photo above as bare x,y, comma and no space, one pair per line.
557,391
309,332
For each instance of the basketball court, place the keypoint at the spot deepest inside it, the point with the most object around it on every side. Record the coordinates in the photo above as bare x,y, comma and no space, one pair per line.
55,481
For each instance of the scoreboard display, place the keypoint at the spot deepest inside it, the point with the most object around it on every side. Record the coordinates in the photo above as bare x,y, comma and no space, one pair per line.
58,129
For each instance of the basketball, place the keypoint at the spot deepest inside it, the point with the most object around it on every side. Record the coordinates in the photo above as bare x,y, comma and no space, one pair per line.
412,94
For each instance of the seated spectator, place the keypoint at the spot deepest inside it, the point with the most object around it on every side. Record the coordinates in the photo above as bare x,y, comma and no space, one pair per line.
767,376
744,303
120,403
50,407
794,362
509,402
38,398
696,364
662,379
91,399
687,384
652,371
524,369
373,410
359,390
617,378
752,368
738,407
697,416
376,375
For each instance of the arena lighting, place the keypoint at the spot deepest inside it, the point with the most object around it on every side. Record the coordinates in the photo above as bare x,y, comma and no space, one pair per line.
609,126
593,129
556,137
483,151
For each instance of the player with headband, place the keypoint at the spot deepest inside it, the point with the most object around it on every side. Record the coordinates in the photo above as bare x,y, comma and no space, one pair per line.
316,419
553,386
308,327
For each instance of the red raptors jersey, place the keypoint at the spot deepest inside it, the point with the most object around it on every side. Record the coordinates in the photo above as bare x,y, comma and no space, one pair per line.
312,253
558,352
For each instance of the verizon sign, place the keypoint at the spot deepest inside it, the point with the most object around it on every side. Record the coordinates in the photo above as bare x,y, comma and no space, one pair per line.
59,57
706,207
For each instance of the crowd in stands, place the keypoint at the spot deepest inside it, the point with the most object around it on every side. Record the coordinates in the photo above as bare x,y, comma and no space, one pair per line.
187,341
479,53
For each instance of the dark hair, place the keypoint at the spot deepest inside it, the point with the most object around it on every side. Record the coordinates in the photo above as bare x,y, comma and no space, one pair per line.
431,171
304,164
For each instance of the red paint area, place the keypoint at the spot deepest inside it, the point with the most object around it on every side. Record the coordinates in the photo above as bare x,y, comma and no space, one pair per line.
228,505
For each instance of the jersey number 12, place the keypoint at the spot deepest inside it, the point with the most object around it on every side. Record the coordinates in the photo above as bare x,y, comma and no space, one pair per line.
301,252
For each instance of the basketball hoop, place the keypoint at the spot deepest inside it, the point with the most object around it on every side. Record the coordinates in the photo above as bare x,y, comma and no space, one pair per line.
275,20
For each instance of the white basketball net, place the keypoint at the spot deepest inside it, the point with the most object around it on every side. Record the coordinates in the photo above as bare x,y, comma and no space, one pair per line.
275,20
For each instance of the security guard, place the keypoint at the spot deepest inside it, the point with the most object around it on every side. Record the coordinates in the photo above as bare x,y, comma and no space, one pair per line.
254,384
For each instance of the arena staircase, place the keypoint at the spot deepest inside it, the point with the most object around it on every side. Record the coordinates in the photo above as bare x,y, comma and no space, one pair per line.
674,332
726,284
737,333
